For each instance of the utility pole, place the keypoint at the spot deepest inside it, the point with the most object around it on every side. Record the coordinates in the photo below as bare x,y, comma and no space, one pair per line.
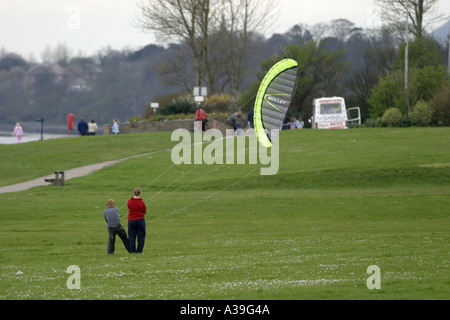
41,120
406,55
448,45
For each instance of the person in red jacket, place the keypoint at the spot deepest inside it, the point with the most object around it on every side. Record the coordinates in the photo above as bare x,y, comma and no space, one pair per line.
200,115
136,222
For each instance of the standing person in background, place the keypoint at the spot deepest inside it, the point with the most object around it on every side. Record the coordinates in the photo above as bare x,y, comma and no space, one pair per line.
92,128
82,127
136,222
250,118
233,121
293,123
200,115
115,127
240,122
18,131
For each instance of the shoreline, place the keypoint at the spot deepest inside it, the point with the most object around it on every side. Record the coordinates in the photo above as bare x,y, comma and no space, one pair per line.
9,138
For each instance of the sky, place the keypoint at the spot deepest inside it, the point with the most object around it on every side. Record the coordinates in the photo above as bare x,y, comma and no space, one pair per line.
27,27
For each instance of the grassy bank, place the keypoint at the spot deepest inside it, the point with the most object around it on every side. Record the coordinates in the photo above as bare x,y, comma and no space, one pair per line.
341,202
22,162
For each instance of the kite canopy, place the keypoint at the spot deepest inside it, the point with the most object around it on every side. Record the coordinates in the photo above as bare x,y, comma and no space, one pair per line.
273,100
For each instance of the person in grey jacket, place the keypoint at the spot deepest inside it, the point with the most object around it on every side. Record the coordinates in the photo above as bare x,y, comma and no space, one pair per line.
114,226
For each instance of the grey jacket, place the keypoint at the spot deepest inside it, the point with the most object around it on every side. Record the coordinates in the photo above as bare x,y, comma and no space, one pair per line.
112,217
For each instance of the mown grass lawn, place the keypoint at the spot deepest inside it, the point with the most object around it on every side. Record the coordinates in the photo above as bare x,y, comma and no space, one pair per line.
340,202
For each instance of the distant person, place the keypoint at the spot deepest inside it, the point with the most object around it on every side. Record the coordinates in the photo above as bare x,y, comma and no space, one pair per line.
293,123
114,226
286,121
240,122
115,127
92,128
200,115
136,222
300,123
233,121
82,127
18,132
250,119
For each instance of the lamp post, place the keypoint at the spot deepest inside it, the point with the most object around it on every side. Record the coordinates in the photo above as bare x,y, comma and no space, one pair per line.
199,94
448,63
42,127
406,55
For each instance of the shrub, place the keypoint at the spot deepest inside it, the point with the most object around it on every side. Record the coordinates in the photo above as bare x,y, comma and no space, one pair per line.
372,123
390,90
178,106
391,117
441,105
422,114
220,103
404,122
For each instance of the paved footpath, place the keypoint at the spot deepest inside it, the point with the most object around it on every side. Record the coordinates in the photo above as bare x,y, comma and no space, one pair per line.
75,173
68,174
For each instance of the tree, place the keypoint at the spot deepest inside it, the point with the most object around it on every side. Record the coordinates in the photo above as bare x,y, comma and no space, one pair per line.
320,73
61,54
422,114
426,76
424,83
441,105
422,52
391,117
299,34
388,93
174,69
180,20
13,95
11,60
217,32
243,19
340,29
421,13
378,59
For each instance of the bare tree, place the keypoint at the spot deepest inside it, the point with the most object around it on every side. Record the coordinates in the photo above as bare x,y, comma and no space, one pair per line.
245,18
421,14
340,29
180,20
61,54
174,70
319,30
209,28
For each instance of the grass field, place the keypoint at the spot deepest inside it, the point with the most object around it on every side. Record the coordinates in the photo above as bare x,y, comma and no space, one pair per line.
341,202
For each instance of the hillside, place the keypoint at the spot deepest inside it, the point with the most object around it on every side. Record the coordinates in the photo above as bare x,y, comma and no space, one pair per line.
119,84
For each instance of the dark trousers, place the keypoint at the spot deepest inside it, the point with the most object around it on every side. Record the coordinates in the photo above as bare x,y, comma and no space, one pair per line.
136,229
120,231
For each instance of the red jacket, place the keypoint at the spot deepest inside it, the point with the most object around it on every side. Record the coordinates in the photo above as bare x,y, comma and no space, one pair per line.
200,115
136,209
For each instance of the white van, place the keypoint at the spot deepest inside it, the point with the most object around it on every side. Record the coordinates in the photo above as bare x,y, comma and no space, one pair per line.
329,113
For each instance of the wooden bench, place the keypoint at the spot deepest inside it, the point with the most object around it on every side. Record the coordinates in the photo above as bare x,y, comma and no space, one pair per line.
59,178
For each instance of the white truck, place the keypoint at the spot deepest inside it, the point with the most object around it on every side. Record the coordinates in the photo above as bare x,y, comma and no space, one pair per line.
329,113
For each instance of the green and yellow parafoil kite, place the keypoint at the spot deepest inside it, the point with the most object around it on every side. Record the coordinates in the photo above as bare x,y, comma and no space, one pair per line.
273,100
